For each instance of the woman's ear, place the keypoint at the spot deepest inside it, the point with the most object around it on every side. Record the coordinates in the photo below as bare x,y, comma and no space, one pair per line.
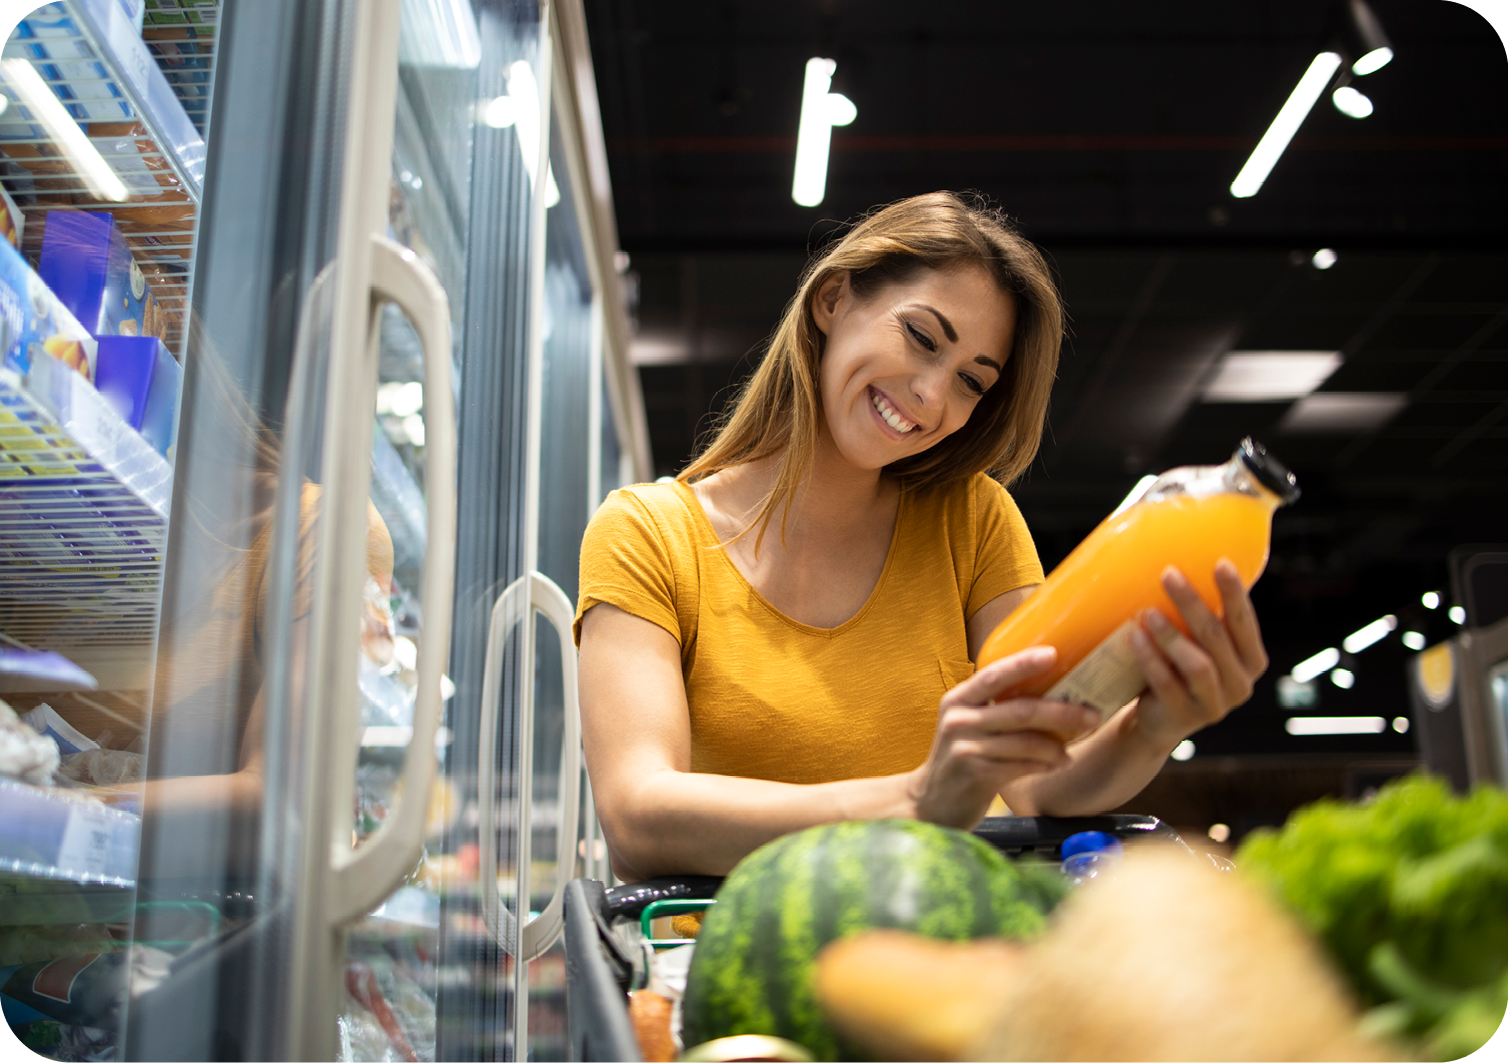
826,298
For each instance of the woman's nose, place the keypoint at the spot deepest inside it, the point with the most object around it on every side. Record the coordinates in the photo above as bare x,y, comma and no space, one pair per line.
929,386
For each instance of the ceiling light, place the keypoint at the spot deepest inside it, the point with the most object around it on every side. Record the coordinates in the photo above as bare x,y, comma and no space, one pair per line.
1343,678
1321,662
1350,102
1134,496
45,108
1269,376
1315,80
1401,724
1414,640
1324,258
1342,411
525,92
1369,41
820,111
400,400
1335,725
1219,832
1430,599
1457,614
1376,59
1376,631
1183,750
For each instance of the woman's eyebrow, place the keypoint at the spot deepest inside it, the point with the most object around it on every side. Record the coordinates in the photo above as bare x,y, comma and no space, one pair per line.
982,360
947,326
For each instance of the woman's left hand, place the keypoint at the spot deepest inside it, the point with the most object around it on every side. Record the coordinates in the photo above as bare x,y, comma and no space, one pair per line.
1194,682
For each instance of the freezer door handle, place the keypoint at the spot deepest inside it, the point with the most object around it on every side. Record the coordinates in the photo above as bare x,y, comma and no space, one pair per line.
362,877
534,593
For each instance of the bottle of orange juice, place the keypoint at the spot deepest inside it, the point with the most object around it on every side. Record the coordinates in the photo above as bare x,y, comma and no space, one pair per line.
1190,517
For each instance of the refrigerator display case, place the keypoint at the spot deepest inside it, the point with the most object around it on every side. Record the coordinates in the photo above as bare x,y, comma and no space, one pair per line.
320,638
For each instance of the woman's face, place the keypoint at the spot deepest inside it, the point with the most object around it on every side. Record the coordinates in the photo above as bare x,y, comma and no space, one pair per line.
904,368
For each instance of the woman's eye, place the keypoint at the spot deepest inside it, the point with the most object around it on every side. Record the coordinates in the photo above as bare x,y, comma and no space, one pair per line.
920,337
975,387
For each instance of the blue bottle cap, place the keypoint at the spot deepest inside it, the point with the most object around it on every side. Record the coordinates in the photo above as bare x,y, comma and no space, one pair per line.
1090,841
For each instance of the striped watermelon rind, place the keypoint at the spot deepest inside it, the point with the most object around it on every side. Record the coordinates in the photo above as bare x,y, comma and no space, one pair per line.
755,957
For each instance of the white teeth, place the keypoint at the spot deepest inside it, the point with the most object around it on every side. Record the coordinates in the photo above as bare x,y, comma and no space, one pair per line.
888,415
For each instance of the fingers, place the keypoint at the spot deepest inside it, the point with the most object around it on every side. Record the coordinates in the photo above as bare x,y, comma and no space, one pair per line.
1232,675
999,676
1059,720
1241,618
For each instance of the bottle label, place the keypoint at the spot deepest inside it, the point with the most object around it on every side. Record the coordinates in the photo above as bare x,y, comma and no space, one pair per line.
1107,678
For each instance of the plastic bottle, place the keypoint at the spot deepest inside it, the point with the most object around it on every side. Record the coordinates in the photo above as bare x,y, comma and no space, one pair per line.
1089,854
1190,517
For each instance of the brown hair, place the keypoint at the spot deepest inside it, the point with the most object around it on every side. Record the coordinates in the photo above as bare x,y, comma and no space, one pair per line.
776,412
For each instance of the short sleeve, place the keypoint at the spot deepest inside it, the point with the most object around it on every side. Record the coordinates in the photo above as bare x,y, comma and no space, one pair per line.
1005,556
626,562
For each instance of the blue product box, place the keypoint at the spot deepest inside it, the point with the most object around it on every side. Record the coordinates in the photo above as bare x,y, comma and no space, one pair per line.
33,323
86,262
140,379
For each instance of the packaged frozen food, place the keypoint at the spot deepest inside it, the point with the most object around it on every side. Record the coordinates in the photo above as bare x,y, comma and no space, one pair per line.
33,322
12,221
1190,518
104,767
44,719
25,754
86,262
139,378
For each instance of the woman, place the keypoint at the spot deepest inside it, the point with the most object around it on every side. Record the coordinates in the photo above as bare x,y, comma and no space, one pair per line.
784,636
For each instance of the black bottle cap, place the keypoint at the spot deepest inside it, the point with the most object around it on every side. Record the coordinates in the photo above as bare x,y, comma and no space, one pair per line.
1269,471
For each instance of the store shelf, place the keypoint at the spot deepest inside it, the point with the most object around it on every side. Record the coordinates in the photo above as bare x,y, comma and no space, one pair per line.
113,83
46,836
83,519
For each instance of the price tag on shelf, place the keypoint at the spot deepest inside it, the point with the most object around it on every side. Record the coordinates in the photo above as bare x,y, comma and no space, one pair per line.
86,842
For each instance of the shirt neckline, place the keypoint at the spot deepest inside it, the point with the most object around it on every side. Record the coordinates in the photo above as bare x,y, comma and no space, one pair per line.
709,532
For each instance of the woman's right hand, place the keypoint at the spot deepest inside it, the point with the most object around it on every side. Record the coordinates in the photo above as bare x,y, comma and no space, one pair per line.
980,747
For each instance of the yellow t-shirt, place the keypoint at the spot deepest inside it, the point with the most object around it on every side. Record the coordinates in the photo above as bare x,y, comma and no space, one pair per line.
771,698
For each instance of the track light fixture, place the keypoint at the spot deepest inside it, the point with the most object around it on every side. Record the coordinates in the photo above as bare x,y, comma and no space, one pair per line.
1367,41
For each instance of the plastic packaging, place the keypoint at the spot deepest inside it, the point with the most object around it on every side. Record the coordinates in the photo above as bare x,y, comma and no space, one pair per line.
24,753
1090,854
1190,518
44,719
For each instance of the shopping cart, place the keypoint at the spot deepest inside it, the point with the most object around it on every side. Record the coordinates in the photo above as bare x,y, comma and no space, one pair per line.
607,931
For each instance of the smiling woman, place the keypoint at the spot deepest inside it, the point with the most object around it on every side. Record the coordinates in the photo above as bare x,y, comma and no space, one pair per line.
737,685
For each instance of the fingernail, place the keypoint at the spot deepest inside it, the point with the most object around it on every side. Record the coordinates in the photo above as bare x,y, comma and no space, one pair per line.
1172,575
1091,718
1156,621
1139,637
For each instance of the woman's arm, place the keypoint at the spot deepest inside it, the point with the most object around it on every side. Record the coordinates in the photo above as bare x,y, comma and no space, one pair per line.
1192,683
662,818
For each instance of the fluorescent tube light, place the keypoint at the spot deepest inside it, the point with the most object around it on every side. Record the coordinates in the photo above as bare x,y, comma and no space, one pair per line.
1401,724
1320,663
1134,496
1287,122
820,111
1414,640
1350,102
46,109
1376,631
1376,59
1343,678
1335,725
525,93
1269,376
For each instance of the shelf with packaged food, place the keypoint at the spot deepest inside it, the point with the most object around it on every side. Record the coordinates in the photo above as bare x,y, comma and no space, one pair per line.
62,835
83,519
95,119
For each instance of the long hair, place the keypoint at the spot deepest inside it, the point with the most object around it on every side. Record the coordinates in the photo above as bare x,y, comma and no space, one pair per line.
776,414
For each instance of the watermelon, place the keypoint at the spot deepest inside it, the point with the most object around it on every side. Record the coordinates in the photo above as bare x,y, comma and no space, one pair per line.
755,958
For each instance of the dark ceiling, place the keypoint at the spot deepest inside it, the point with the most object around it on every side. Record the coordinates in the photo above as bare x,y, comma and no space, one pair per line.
1112,132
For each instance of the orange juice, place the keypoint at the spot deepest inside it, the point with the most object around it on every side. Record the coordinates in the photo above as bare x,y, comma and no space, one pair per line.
1189,517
